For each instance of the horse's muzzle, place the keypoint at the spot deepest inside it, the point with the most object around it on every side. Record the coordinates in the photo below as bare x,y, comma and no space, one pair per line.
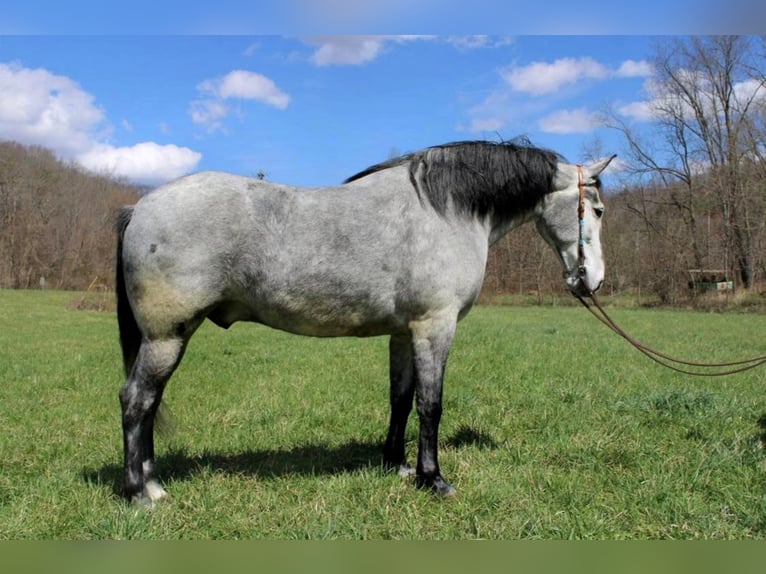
579,282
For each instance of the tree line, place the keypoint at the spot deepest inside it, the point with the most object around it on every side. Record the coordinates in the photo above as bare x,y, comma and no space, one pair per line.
689,207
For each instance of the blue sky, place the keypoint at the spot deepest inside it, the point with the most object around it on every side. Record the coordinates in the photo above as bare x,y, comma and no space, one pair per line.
150,90
307,110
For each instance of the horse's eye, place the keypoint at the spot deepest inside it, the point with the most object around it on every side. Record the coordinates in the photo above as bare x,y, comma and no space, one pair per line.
598,211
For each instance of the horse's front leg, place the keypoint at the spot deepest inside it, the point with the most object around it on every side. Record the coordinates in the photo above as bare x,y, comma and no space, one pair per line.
431,341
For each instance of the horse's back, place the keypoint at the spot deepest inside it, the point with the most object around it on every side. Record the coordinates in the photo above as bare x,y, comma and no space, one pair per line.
358,259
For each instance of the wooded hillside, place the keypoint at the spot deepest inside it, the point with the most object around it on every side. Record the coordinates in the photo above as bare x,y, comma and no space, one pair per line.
56,221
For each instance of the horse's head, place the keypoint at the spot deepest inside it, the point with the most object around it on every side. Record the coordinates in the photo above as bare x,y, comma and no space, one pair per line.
569,219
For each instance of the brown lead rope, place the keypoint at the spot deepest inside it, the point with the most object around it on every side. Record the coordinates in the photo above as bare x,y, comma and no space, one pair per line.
667,360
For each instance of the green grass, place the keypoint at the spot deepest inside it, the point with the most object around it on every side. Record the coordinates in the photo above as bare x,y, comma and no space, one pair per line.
553,428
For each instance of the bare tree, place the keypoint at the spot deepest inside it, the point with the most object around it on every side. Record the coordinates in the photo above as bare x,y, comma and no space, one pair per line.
706,138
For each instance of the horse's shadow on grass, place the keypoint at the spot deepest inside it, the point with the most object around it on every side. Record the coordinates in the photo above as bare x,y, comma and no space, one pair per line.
309,460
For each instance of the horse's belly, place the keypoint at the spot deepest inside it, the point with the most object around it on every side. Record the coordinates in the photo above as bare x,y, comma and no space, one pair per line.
349,325
316,317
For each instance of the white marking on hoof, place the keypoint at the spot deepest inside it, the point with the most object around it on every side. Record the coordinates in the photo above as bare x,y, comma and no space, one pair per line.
154,491
406,470
450,492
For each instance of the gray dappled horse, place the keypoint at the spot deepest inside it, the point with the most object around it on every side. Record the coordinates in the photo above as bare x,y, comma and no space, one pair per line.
399,249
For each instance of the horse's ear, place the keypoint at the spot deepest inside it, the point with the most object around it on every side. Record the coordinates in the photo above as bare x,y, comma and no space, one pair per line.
594,170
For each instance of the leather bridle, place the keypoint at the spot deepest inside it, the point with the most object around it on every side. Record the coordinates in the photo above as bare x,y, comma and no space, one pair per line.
581,270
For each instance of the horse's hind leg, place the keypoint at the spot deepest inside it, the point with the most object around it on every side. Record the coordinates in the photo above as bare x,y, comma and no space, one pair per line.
402,392
140,398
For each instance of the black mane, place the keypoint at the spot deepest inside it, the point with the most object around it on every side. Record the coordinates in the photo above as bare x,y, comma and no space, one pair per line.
479,177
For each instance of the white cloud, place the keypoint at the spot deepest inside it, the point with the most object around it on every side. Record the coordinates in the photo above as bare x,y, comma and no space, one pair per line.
353,50
648,109
540,78
41,108
209,114
146,162
348,50
38,107
252,86
493,114
510,103
643,111
633,69
251,50
357,50
660,102
750,90
210,111
570,122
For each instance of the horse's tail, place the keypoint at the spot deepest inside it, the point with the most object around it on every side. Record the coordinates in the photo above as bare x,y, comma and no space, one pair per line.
130,335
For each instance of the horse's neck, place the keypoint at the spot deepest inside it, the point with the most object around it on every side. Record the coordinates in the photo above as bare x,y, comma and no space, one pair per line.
500,228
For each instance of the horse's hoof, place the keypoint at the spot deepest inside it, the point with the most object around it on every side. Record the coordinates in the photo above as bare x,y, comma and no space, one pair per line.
154,491
151,494
402,469
444,488
437,485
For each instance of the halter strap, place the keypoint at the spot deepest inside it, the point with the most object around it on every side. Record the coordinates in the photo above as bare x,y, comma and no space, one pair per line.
581,223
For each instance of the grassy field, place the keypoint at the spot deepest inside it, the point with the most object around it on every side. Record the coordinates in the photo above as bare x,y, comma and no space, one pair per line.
553,428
